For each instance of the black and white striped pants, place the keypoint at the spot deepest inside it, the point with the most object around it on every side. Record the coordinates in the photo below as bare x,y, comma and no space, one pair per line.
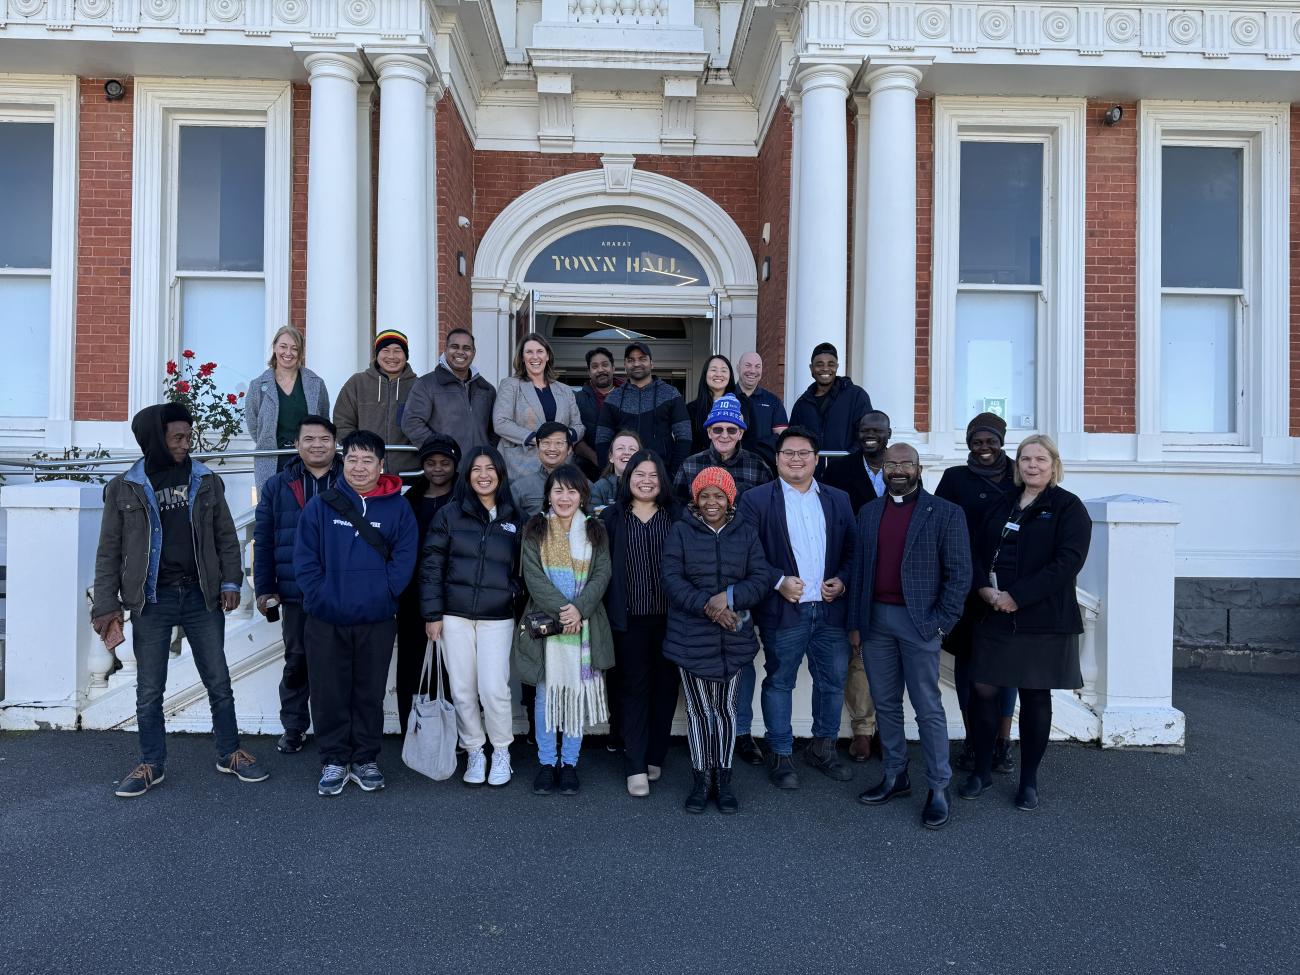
711,720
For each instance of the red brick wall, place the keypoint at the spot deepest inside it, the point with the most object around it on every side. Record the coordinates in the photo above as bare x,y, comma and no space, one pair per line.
774,209
301,111
1295,270
103,336
457,175
1110,273
924,238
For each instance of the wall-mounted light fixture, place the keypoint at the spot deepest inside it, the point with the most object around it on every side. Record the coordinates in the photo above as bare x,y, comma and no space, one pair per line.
460,263
114,90
767,268
1113,115
767,233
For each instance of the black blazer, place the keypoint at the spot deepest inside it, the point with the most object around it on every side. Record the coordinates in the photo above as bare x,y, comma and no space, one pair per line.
848,474
1050,550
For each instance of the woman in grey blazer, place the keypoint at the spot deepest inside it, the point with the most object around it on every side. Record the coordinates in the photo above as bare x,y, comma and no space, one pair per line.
279,398
526,400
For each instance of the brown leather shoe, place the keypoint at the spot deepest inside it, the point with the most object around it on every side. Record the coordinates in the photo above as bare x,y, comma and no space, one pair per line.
860,748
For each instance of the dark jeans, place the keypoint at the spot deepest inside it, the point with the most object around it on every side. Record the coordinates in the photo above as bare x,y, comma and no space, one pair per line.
295,712
152,637
648,692
349,668
746,678
895,655
827,649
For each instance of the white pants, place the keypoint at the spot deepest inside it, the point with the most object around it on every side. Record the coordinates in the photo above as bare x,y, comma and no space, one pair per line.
477,657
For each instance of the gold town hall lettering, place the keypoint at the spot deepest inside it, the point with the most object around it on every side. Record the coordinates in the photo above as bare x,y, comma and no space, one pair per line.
618,255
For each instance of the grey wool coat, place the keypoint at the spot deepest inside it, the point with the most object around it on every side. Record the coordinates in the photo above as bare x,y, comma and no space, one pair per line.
262,410
518,413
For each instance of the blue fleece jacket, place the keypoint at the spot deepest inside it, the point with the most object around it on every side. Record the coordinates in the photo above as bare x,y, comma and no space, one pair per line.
343,579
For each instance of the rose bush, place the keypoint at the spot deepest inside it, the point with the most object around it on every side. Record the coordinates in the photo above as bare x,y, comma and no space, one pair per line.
217,416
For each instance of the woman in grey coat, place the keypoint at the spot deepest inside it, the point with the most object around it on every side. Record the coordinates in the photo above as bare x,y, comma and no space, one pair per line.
279,398
526,400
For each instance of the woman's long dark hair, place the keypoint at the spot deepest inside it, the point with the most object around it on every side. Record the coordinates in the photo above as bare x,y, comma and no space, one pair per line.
664,499
566,475
703,393
465,491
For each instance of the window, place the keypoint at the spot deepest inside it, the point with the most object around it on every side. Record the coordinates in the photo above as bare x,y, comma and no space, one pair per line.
1007,298
1212,278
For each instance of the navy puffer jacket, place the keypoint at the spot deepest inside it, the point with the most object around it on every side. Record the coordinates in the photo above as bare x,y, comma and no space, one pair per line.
279,506
716,560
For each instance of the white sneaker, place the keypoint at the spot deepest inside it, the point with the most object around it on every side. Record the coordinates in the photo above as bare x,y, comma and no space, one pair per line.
501,770
475,768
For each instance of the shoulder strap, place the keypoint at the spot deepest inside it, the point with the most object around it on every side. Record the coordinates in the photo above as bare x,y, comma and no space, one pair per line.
334,498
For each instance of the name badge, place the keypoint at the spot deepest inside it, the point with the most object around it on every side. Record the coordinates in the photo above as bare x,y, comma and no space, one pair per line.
1011,526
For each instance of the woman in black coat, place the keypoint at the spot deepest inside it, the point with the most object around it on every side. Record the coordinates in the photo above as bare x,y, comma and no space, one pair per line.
469,587
986,480
638,523
714,573
1030,549
718,378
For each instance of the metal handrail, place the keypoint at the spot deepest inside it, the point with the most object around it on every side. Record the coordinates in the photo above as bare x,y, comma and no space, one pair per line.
28,464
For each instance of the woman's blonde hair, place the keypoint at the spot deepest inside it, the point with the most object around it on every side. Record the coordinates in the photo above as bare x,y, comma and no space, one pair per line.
1046,442
298,340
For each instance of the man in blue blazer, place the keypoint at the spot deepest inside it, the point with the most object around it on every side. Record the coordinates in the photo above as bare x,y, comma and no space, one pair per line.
911,573
806,529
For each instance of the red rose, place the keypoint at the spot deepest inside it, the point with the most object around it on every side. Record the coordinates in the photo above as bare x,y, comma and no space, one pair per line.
171,367
207,368
232,398
241,395
188,353
182,387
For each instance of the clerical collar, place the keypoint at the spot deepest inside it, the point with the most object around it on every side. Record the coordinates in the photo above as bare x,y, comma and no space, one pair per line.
905,498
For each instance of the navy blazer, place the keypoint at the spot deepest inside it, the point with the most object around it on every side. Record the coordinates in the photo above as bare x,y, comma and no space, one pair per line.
764,507
936,565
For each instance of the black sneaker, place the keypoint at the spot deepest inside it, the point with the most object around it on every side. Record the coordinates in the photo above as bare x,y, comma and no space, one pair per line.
1002,761
545,781
568,780
748,750
291,742
243,766
142,778
368,776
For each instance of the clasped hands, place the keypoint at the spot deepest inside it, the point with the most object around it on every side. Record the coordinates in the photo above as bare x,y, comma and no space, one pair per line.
791,589
998,599
717,610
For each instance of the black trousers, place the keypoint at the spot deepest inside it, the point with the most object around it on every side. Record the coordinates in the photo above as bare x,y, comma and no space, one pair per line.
295,713
647,692
411,644
349,668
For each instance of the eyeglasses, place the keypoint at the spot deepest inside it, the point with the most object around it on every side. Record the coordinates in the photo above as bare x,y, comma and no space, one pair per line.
719,429
899,465
796,454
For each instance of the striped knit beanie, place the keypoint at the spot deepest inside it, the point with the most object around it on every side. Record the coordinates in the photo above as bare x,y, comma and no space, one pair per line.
714,477
391,336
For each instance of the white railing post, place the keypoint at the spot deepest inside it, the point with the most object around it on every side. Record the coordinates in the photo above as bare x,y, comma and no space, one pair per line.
1130,569
53,531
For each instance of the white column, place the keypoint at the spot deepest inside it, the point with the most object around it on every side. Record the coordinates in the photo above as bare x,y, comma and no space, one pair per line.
401,292
1130,568
821,311
795,380
332,218
856,357
365,219
890,278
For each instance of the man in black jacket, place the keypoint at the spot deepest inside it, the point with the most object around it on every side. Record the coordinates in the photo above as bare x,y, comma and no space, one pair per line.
655,410
601,381
832,406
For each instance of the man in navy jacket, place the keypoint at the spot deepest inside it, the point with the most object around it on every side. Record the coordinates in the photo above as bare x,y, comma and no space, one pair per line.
911,572
279,506
807,533
355,553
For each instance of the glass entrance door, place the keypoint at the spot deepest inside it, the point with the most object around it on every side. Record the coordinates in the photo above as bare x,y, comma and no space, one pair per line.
679,345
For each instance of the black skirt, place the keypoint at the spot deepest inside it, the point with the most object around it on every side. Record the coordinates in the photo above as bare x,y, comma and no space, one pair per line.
1005,658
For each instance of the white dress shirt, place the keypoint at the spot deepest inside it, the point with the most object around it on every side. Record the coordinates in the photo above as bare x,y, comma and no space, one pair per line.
806,524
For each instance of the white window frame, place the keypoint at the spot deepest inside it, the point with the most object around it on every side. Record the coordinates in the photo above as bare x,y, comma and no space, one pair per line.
1262,131
1058,124
46,98
162,106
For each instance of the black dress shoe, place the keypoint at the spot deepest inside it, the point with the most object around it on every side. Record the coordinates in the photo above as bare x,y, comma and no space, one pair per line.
780,770
889,787
822,755
1027,798
936,811
975,786
748,750
698,798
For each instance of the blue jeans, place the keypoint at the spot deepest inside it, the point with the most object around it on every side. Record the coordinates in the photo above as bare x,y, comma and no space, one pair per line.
895,655
748,677
152,637
961,680
827,649
569,746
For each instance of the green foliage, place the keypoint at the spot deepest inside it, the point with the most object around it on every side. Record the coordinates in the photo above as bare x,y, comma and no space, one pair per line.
217,416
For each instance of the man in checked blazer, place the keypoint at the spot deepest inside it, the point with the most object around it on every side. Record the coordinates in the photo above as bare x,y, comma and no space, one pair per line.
911,573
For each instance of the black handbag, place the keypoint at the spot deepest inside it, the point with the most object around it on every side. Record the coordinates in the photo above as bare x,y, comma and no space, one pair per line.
542,625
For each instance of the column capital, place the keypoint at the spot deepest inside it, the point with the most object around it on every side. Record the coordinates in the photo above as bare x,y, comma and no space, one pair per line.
408,62
330,61
895,72
837,74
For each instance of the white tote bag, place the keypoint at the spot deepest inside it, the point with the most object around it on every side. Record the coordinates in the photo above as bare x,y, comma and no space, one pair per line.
430,745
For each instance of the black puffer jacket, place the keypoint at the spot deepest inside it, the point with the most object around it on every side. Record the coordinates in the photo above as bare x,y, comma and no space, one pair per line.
697,564
469,566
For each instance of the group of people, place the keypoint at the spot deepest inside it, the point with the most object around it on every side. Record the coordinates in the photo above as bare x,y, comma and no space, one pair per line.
614,547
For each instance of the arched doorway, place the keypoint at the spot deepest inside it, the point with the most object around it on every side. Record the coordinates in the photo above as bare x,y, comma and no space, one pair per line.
596,255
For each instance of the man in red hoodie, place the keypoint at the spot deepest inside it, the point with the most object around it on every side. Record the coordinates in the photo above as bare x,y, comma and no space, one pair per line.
354,554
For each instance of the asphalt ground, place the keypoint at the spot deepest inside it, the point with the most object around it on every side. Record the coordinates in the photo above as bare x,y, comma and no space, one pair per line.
1136,862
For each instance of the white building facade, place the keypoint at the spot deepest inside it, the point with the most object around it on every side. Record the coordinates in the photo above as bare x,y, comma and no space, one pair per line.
1076,215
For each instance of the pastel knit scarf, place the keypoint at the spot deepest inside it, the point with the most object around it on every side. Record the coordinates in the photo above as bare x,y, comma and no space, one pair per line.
575,693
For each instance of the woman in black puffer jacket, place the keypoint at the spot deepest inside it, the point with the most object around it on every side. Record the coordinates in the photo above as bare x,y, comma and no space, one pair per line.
714,572
469,585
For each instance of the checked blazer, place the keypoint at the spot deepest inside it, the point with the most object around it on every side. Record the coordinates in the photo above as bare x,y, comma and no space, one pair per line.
936,565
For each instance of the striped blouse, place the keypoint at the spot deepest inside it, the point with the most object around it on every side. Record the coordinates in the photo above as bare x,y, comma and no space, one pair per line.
645,547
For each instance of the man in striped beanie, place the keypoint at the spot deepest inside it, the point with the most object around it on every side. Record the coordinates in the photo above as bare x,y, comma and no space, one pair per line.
375,399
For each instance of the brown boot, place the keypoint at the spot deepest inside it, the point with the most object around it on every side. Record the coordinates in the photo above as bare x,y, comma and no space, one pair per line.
860,748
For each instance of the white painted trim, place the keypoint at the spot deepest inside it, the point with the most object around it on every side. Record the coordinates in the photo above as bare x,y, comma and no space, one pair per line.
55,99
365,284
159,102
1059,122
1263,130
792,386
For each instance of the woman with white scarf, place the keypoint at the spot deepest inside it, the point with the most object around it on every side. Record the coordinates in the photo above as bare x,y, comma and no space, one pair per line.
566,568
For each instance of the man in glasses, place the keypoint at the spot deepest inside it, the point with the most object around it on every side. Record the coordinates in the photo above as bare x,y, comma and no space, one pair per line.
724,426
807,534
911,572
